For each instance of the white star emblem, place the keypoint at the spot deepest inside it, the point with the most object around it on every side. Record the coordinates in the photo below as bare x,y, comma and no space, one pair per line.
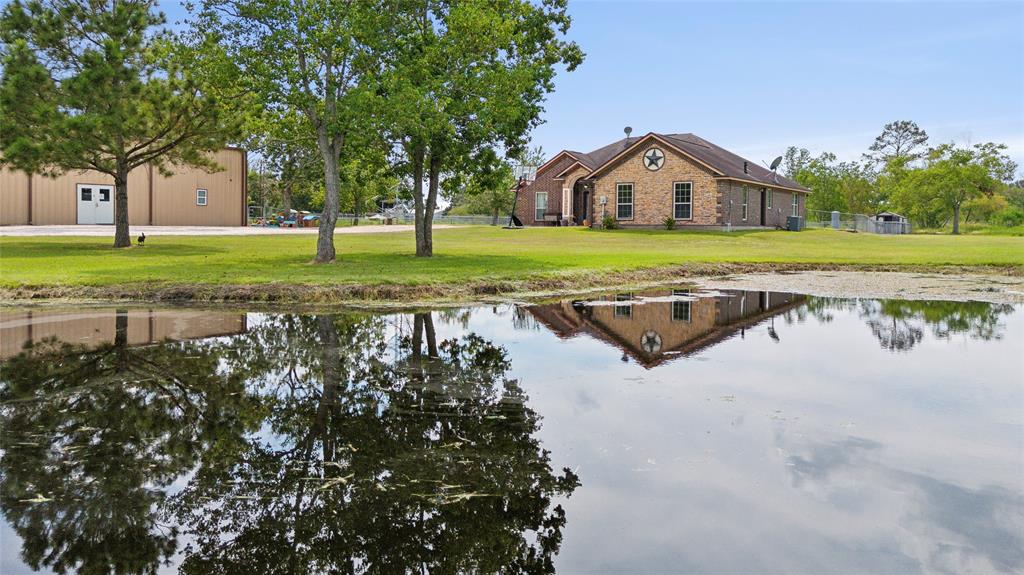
653,159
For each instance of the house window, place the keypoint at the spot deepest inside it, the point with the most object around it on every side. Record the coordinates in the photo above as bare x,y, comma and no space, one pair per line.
624,201
682,201
746,197
624,310
796,204
768,198
681,309
540,206
200,197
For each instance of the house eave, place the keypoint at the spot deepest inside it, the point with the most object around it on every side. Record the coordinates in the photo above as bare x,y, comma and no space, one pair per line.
765,184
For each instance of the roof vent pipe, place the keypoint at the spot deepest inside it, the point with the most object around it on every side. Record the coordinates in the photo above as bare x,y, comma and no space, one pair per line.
628,130
745,168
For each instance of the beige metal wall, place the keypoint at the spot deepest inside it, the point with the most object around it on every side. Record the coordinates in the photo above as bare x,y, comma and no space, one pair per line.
174,198
54,200
99,327
13,197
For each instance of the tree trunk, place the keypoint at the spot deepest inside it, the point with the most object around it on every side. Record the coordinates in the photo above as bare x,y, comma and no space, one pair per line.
286,197
428,211
329,216
428,328
956,219
122,239
417,197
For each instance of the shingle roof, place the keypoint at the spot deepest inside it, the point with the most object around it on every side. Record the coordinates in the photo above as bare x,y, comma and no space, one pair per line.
723,161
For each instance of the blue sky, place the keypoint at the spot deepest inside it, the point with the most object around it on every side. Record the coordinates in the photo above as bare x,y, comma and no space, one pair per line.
756,77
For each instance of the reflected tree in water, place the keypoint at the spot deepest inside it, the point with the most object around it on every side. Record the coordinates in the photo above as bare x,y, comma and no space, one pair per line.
899,325
420,456
93,438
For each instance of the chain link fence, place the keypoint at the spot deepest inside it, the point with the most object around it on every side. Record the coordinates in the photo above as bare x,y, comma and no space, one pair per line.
855,222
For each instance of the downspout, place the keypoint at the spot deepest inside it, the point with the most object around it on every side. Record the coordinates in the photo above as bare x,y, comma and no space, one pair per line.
150,166
29,174
245,187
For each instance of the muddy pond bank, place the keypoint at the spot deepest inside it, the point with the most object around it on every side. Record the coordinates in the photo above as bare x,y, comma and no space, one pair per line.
994,284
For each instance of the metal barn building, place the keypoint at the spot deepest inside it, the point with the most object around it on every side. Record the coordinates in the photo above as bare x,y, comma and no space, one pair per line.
190,197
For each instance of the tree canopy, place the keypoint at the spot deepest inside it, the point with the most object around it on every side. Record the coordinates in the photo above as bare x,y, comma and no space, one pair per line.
102,86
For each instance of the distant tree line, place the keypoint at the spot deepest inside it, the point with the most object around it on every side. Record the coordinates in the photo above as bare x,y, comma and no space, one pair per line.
934,186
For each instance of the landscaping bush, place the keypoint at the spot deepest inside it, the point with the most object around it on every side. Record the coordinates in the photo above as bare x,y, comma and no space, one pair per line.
609,223
670,223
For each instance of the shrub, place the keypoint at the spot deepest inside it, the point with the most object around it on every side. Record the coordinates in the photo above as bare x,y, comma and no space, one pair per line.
1008,218
670,223
609,223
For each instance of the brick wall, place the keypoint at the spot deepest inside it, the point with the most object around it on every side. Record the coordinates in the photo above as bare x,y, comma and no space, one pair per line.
781,204
545,182
653,190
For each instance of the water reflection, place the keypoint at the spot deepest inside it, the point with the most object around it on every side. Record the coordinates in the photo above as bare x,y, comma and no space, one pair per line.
899,325
656,326
305,444
740,423
96,431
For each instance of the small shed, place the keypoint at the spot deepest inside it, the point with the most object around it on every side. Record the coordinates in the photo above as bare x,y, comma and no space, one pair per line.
891,223
890,217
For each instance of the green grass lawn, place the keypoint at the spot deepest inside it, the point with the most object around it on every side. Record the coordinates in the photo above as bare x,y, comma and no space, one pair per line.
464,254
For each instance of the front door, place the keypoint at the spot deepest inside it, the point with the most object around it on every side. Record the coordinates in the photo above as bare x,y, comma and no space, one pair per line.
95,204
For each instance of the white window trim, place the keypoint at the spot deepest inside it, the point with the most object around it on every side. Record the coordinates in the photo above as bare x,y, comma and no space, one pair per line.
536,202
205,197
768,198
689,306
745,196
623,309
632,200
675,203
796,204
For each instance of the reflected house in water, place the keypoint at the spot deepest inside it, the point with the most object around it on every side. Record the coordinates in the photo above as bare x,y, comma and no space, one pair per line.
95,328
657,326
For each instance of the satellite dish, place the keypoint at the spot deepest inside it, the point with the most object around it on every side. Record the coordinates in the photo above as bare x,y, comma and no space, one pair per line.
775,163
628,131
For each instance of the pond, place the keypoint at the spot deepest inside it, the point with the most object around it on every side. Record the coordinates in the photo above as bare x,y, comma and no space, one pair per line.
665,431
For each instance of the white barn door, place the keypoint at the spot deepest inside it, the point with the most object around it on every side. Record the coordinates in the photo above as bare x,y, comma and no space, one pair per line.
95,203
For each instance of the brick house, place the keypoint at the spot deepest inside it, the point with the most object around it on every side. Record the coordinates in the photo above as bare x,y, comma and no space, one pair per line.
642,181
657,326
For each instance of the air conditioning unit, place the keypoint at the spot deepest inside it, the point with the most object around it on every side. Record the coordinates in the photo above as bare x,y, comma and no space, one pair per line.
794,223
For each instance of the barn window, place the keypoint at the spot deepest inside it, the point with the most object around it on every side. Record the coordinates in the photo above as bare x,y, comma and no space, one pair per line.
200,197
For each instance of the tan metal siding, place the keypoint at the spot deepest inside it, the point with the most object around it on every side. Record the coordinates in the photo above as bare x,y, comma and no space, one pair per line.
54,200
13,197
174,198
95,328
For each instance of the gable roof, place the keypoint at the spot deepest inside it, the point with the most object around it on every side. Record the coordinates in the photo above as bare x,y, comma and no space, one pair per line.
561,175
723,163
